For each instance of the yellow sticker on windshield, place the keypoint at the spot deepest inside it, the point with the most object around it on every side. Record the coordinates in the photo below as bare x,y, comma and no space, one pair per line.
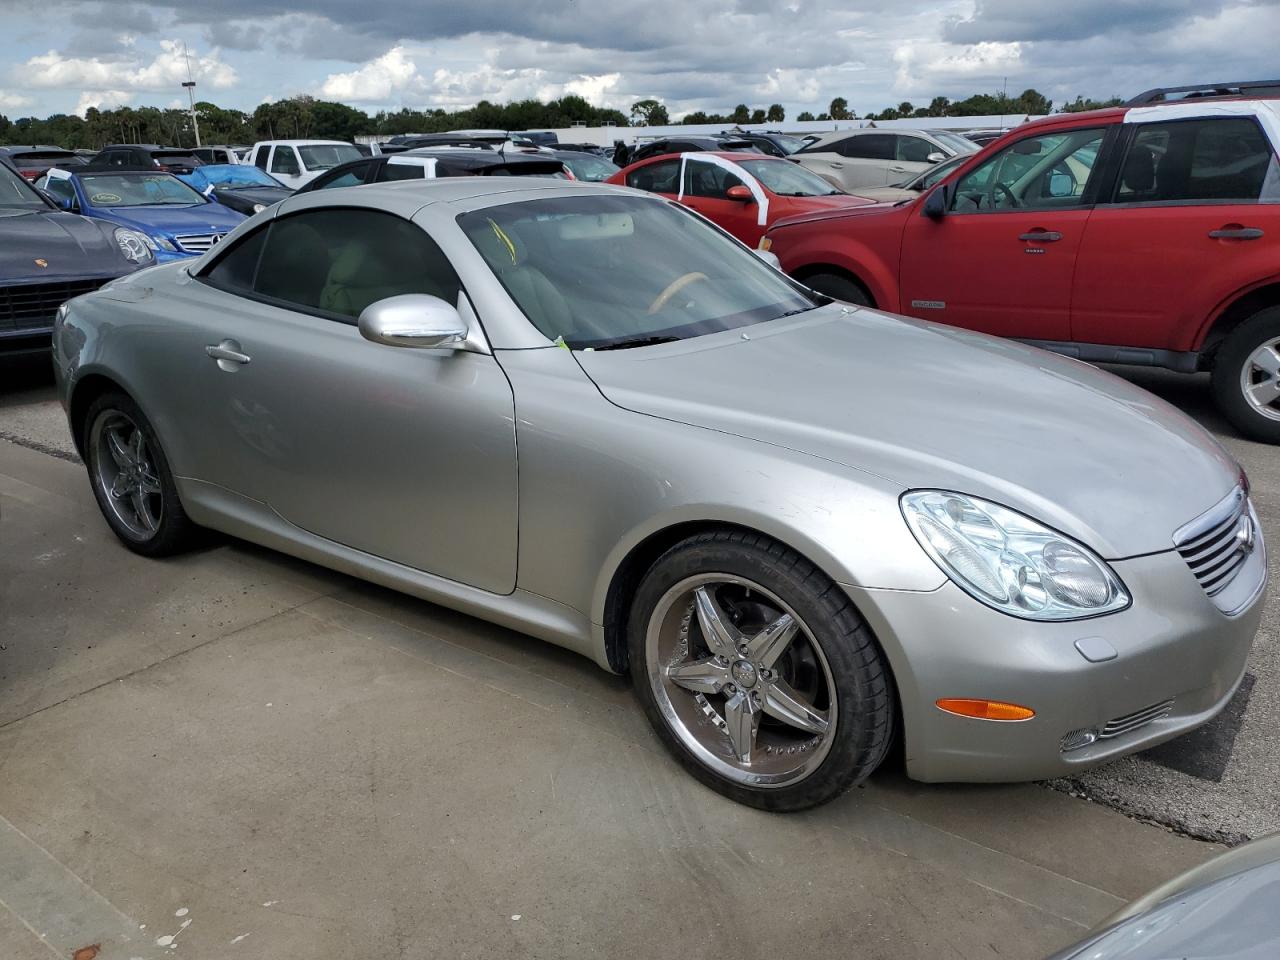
511,247
104,198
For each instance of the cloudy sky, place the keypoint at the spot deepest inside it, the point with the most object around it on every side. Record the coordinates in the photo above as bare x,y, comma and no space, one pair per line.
65,55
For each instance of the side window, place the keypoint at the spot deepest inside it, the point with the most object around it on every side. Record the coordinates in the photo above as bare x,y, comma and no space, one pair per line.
351,177
868,146
285,161
340,261
659,177
702,179
402,171
915,150
61,189
1199,160
1049,171
237,267
260,158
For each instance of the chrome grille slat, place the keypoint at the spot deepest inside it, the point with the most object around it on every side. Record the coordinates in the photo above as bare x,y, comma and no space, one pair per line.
1211,544
198,243
1133,721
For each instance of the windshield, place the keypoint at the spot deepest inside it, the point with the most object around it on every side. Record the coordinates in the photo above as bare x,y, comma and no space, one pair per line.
587,167
788,144
17,194
231,175
115,190
608,271
787,179
956,142
934,174
322,156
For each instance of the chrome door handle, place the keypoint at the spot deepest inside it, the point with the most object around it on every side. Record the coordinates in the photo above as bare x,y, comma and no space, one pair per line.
1041,236
1236,233
224,351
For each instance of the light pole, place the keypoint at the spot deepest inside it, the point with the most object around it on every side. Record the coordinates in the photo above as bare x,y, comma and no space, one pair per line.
190,84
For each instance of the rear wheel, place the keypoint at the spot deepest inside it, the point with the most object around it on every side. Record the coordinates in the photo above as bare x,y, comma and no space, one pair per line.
838,287
1246,376
757,672
131,480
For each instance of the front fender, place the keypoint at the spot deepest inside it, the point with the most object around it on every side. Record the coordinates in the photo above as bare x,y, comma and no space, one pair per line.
805,250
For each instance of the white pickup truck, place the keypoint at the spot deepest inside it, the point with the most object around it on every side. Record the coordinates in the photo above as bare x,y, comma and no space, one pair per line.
298,162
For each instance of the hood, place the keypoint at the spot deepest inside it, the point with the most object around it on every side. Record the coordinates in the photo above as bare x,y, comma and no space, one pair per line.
872,209
205,218
243,198
837,202
924,405
887,194
71,245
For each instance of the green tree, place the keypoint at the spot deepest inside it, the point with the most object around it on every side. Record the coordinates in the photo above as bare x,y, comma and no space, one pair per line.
741,114
839,109
758,116
649,113
776,113
1080,104
805,115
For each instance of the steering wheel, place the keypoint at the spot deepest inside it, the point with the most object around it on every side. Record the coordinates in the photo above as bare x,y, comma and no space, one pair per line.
674,287
1013,201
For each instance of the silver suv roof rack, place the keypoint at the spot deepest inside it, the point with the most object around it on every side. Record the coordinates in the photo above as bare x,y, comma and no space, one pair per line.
1201,91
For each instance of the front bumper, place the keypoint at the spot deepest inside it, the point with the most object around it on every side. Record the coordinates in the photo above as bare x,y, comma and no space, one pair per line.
1172,644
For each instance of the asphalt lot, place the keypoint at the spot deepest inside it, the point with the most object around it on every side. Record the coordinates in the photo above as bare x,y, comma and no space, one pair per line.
302,764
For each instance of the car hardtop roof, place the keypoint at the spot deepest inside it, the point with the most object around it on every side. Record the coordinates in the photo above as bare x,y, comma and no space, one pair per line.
141,146
26,147
304,143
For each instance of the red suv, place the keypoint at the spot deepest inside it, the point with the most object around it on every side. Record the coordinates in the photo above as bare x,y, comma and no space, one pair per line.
1144,234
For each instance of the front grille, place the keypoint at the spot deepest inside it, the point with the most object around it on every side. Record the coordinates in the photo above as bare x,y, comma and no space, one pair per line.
1216,545
29,307
198,243
1130,722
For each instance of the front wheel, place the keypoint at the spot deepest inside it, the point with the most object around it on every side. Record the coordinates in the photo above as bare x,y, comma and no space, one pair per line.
1246,376
840,288
131,479
757,672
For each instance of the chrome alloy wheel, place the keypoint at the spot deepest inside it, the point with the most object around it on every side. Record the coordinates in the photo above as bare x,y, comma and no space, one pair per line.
740,680
125,475
1260,379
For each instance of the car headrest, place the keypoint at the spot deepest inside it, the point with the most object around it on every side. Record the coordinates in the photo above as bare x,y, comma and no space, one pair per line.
1139,173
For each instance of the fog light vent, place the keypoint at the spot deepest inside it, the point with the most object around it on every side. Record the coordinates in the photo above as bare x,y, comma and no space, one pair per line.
1079,738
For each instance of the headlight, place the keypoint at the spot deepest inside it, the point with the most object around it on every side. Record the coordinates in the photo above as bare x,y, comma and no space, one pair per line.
1010,562
135,246
259,207
163,244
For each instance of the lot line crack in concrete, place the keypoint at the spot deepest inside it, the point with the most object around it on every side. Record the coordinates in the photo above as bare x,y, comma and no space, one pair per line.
149,666
36,445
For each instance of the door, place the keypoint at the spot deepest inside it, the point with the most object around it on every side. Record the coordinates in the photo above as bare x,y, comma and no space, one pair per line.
1003,257
1191,218
660,176
910,158
705,188
285,167
402,453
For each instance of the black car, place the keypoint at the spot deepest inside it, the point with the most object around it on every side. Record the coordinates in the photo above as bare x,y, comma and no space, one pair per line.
770,142
655,148
34,159
145,156
47,257
426,164
583,166
241,186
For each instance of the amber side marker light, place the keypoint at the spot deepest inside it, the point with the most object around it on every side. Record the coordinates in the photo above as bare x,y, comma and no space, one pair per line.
985,709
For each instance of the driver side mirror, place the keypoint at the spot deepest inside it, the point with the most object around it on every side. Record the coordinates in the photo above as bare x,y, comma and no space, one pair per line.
936,157
740,193
413,320
936,203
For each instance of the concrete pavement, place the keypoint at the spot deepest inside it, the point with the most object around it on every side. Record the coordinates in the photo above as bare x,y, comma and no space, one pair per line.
235,754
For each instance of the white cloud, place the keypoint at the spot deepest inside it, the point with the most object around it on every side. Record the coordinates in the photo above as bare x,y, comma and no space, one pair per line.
377,81
927,66
102,100
165,71
13,101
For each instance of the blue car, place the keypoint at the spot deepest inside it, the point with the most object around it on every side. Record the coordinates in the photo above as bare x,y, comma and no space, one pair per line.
175,220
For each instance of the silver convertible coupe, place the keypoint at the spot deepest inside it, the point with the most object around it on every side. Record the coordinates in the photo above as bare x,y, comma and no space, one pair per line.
807,530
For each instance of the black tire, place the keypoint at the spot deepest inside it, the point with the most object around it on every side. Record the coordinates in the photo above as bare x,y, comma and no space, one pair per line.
174,530
864,691
838,287
1230,364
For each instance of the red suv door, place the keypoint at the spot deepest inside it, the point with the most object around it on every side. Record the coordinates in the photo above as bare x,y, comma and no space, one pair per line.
1179,230
1002,258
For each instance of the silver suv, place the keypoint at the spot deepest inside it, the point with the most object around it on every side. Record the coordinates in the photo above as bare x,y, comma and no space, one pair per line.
851,159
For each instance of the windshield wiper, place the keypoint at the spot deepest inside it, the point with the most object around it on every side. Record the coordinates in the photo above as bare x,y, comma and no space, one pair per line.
638,342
